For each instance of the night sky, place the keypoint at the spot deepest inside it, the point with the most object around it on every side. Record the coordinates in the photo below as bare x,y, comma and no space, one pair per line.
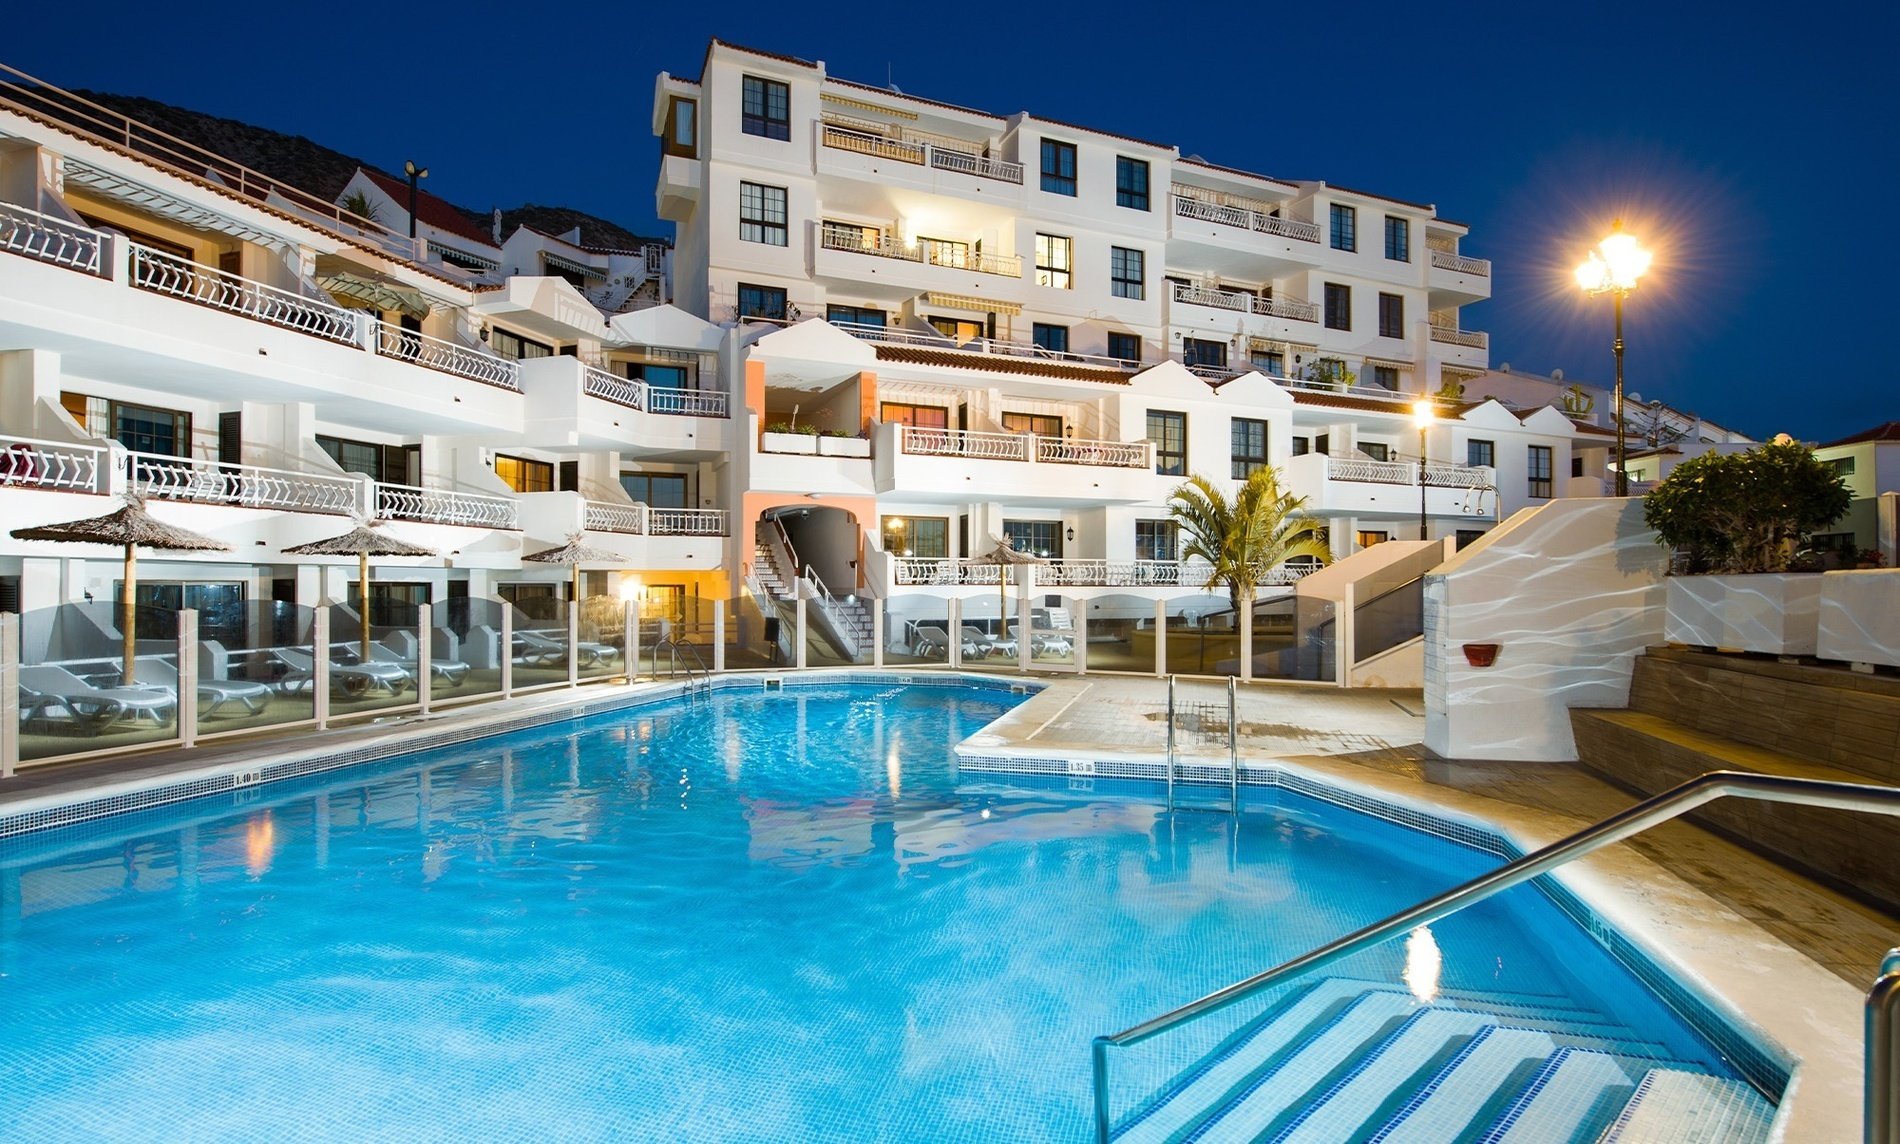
1753,146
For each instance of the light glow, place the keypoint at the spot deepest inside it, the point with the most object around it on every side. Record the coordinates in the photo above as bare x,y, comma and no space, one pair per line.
1616,265
1423,413
1423,961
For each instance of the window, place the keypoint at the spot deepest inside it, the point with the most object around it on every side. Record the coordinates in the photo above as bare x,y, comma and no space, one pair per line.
1467,535
855,315
1338,306
1203,352
1053,257
855,236
524,475
1127,273
1131,182
388,464
1041,424
1398,239
1842,466
926,537
1385,376
658,376
1302,446
946,252
1391,316
514,347
762,214
682,131
921,416
1270,362
958,329
1156,540
1127,347
1250,447
1345,227
1375,450
1367,538
1168,431
1058,167
1040,537
762,302
656,490
1481,454
1051,337
1576,466
767,108
140,428
1540,470
391,603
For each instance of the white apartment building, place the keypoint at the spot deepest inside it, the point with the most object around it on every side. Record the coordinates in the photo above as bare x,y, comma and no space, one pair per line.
1042,328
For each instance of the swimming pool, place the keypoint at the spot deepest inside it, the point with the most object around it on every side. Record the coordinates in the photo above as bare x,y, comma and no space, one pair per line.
747,915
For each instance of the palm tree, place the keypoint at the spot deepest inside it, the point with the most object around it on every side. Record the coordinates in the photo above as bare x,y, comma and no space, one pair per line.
1242,541
358,203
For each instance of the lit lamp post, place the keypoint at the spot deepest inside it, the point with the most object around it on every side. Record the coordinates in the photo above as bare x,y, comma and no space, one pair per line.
1422,417
1613,268
415,174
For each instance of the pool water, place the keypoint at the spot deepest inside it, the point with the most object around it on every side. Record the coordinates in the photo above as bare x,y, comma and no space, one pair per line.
746,916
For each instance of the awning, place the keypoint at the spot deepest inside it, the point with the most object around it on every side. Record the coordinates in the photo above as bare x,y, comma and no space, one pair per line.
861,105
1459,371
454,252
374,294
580,268
968,302
1390,363
111,185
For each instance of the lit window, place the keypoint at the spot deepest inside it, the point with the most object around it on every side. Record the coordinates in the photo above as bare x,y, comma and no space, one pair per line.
1054,258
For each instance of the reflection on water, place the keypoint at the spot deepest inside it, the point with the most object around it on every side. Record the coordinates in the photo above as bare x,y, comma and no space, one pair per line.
1422,964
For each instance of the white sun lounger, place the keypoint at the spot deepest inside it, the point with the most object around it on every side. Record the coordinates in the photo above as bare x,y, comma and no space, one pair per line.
347,678
159,704
212,693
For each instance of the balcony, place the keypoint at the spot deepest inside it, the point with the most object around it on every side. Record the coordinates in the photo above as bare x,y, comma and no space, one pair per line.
955,464
28,463
1452,336
922,149
1454,279
1459,264
636,394
640,520
1244,218
176,277
448,357
1066,573
442,506
855,240
1361,486
198,481
1291,309
982,166
57,242
932,340
1247,242
1462,347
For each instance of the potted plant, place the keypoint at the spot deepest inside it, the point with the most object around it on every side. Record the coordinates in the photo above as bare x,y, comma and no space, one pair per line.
1736,521
1333,372
838,443
785,437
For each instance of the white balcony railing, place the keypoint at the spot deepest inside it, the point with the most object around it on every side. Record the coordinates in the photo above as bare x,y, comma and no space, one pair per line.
924,442
949,159
1442,474
1066,573
897,335
448,357
1240,302
27,463
922,570
42,237
1456,337
1450,260
686,522
605,516
958,257
859,240
1041,353
1246,218
159,477
1438,474
636,394
1219,299
1289,308
870,143
176,277
441,506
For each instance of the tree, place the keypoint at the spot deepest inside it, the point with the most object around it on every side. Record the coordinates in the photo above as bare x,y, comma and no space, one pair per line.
1746,512
1260,530
358,203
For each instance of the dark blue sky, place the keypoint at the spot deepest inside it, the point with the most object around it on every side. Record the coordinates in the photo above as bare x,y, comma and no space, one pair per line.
1754,146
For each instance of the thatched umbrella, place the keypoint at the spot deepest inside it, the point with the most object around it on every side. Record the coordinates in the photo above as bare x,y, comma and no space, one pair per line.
131,528
1005,555
574,554
362,542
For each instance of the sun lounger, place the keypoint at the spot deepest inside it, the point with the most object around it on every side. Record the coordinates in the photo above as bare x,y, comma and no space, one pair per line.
159,704
930,639
449,671
345,678
212,693
544,651
44,712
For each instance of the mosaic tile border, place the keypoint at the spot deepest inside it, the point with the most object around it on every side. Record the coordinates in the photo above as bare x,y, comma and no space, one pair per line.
229,778
1767,1070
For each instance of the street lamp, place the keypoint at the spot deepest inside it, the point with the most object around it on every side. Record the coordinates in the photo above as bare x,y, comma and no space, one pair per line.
415,173
1422,417
1613,268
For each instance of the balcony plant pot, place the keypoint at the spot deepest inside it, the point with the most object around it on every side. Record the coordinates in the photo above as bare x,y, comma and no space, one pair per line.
1481,654
1773,613
844,446
770,442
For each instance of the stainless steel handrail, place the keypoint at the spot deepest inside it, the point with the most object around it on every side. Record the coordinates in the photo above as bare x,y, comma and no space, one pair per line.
1650,812
1879,1120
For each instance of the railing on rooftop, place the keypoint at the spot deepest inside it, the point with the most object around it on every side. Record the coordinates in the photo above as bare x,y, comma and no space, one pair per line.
29,463
101,124
176,277
926,442
42,237
1453,336
1451,260
442,506
448,357
160,477
1246,218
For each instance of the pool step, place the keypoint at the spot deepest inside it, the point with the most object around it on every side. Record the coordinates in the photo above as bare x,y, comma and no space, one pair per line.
1343,1059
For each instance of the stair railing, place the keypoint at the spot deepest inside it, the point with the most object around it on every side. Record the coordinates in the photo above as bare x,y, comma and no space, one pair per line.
1865,798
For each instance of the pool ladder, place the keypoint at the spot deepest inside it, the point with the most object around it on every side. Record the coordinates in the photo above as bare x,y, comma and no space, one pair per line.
697,675
1233,752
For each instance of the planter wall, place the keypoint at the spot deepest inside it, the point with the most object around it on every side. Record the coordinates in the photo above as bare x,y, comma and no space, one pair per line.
788,443
1860,617
844,446
1775,613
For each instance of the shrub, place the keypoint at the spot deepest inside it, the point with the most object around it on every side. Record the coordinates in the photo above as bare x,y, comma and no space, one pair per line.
1745,512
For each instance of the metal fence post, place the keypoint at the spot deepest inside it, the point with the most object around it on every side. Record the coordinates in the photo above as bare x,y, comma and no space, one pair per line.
630,639
798,656
955,649
574,641
719,635
877,633
507,649
1246,639
425,637
188,677
9,694
320,665
1161,638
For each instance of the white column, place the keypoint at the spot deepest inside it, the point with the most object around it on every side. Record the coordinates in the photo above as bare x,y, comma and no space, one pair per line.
798,652
1246,639
1161,638
1082,637
425,652
630,639
719,635
320,665
188,677
877,633
507,656
955,626
1342,637
574,642
9,696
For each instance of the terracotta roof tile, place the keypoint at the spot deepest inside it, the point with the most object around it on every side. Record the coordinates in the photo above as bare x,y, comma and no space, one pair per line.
1886,431
997,363
437,212
1347,401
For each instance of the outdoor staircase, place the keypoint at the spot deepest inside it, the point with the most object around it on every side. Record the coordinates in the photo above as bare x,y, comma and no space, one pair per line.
770,577
851,618
1342,1059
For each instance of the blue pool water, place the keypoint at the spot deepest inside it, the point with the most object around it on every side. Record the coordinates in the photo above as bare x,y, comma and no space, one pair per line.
753,916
